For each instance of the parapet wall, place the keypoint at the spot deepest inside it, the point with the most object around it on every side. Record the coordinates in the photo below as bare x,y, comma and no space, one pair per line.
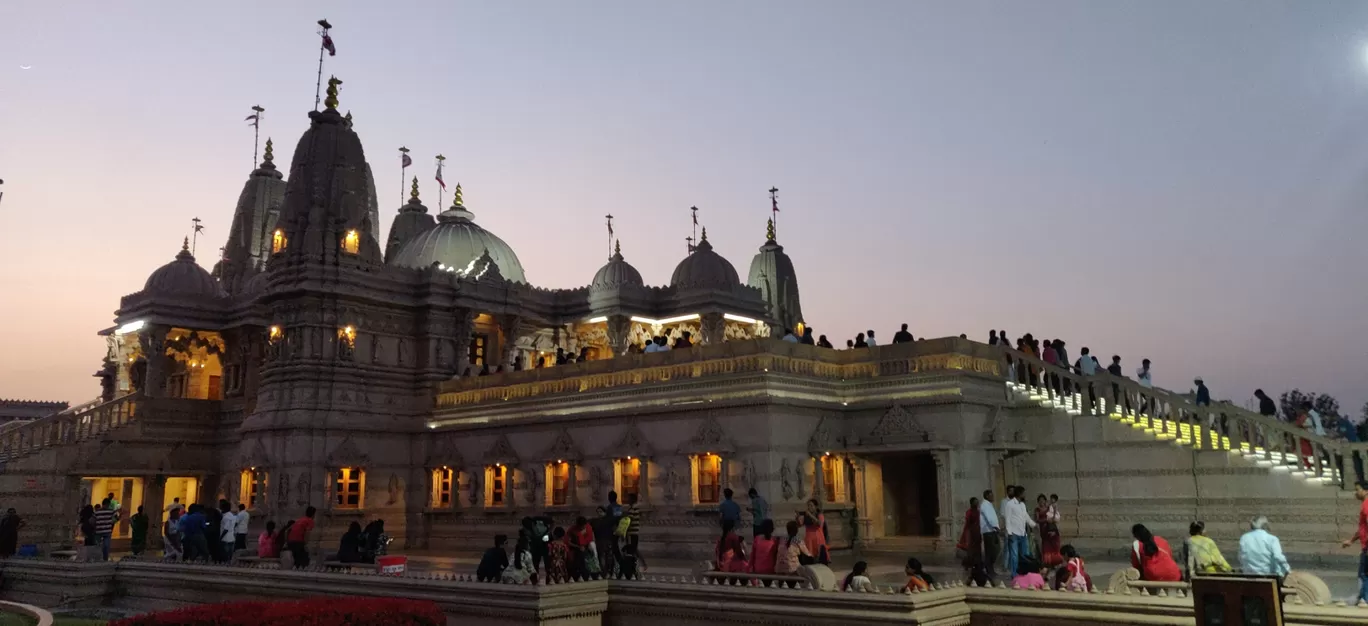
660,601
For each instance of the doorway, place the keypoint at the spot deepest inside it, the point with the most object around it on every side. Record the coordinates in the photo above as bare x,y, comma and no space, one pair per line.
910,495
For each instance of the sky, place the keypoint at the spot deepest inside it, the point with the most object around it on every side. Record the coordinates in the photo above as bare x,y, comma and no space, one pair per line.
1174,180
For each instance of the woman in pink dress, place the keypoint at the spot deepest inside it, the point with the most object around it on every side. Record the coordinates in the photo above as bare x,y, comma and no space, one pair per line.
815,531
731,550
764,550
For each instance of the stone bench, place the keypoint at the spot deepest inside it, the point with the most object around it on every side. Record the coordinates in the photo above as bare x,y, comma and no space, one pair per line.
348,566
819,576
1306,588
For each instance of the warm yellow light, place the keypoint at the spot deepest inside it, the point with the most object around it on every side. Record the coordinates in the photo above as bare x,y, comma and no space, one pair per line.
738,318
595,320
352,242
277,241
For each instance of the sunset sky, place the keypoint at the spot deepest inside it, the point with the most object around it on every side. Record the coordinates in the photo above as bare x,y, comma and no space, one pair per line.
1183,181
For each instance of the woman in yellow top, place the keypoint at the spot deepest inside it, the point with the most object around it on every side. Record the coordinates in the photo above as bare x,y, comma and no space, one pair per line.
1204,557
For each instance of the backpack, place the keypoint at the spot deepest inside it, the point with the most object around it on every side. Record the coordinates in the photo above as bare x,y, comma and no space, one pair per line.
623,526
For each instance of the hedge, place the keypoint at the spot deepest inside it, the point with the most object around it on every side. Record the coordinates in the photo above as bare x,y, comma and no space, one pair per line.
324,611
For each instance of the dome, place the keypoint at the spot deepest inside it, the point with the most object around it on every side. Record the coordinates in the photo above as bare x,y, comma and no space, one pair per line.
704,268
183,278
256,285
457,241
617,273
771,271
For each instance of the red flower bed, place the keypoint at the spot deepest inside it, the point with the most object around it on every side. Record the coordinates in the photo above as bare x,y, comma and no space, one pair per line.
326,611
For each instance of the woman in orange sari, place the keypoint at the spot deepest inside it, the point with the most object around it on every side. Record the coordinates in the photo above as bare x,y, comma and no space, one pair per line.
1047,517
815,531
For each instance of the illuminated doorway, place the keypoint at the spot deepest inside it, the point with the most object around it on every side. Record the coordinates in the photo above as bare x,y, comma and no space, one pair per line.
127,490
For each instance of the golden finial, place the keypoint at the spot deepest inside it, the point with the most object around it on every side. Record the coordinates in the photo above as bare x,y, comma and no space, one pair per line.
331,101
617,248
705,235
458,198
769,229
185,245
269,153
413,191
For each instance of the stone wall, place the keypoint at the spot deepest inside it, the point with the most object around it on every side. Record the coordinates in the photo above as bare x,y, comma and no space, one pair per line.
669,601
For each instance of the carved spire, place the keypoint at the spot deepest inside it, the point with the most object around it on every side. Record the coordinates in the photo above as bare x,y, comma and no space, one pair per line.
458,198
704,237
185,245
331,100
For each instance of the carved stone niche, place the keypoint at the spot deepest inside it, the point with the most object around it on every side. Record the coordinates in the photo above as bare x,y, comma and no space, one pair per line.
897,425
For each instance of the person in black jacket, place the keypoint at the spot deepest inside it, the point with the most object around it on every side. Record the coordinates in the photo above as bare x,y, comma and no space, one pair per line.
494,561
349,549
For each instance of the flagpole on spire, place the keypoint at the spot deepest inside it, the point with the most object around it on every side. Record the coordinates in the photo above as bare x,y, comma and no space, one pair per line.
610,235
325,45
195,235
694,237
404,162
441,184
255,119
774,207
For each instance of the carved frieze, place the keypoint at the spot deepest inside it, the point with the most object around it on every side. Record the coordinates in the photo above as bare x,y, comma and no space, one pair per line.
710,437
347,454
898,425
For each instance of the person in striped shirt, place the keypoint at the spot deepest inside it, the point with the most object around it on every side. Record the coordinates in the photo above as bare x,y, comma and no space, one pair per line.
105,518
633,514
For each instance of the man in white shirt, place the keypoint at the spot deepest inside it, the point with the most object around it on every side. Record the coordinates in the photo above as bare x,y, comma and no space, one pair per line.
869,338
789,336
1146,379
227,526
240,527
1016,520
988,527
1261,552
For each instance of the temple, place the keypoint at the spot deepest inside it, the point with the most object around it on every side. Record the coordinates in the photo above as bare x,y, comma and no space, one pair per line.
418,380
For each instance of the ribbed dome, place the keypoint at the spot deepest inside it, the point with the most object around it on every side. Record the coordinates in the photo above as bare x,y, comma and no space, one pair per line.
456,241
704,268
617,273
183,278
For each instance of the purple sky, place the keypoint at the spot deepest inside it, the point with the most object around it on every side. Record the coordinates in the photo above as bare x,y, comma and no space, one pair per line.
1175,180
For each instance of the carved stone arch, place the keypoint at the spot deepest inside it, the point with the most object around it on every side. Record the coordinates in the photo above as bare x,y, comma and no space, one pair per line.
252,454
445,453
710,437
347,454
563,448
633,443
501,451
821,440
898,425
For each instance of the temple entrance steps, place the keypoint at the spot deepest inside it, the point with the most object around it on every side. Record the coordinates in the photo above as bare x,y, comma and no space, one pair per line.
1287,457
69,428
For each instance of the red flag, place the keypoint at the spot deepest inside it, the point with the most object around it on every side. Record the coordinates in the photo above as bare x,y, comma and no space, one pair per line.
439,176
775,202
406,161
328,45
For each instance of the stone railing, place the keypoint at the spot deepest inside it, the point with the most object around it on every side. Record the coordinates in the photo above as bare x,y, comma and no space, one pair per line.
1220,426
1298,587
726,359
660,600
72,427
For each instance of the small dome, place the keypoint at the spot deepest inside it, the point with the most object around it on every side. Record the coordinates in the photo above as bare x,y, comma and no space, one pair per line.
704,268
617,273
183,278
457,241
256,285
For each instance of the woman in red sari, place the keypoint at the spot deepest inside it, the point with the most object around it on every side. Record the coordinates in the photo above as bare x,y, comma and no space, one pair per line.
1047,517
1153,557
1308,454
971,538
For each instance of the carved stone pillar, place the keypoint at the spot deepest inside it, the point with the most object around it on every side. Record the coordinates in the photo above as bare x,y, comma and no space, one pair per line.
152,340
619,329
864,524
463,329
713,328
154,502
508,331
945,520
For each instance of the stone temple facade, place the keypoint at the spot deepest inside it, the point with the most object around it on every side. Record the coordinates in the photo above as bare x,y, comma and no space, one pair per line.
415,381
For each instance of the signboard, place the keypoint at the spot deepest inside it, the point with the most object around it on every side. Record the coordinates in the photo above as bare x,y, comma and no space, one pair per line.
1237,600
391,565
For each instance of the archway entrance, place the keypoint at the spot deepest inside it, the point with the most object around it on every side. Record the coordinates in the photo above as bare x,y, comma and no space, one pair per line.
910,495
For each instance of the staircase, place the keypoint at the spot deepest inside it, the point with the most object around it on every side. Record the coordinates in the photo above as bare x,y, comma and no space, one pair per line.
1258,439
81,423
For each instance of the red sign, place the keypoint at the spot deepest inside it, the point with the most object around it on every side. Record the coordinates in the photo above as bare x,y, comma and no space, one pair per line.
391,565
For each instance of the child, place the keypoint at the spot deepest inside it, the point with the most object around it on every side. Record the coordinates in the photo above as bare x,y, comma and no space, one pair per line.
1029,575
558,557
1075,577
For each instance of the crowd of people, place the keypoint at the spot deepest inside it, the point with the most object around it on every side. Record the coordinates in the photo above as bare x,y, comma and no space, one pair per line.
603,547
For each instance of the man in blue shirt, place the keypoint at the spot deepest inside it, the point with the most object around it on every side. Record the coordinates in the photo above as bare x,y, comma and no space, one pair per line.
759,510
192,527
729,509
